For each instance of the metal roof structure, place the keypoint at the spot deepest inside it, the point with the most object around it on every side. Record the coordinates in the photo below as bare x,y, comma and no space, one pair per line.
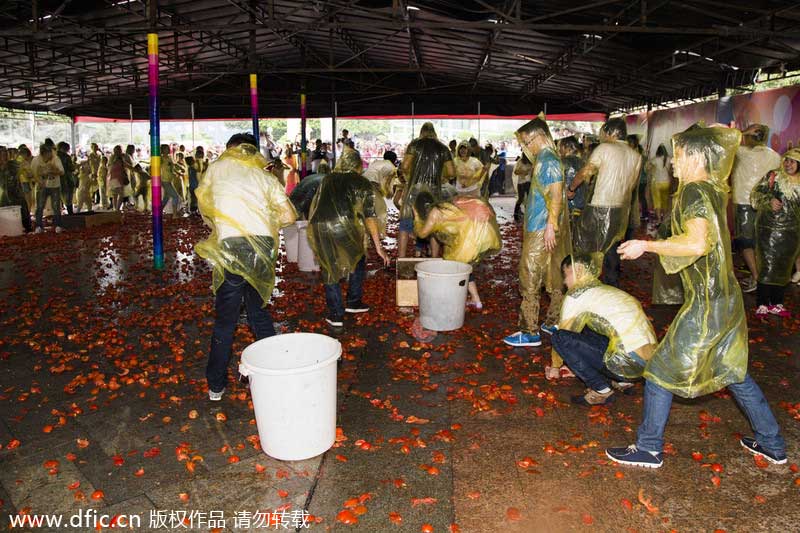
89,57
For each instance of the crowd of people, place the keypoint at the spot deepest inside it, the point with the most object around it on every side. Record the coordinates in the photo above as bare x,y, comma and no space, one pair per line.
581,204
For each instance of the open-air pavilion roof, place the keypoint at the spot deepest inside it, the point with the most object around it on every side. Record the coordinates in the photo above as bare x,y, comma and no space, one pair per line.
89,57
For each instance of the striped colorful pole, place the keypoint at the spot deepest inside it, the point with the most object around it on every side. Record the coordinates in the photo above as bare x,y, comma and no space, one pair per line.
303,139
155,151
254,106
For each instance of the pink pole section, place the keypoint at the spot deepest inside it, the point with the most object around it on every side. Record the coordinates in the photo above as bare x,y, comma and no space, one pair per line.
303,139
155,150
254,106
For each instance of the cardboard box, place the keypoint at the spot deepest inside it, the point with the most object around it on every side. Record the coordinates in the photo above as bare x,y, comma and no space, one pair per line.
406,291
91,218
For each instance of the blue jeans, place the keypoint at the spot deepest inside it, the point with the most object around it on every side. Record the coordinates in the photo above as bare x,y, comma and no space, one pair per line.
228,304
54,193
583,353
658,401
355,290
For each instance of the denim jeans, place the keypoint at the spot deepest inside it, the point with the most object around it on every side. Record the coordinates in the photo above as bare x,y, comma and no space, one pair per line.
228,304
658,401
355,290
583,353
54,193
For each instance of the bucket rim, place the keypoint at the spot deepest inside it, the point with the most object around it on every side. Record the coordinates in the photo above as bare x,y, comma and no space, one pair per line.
247,367
420,268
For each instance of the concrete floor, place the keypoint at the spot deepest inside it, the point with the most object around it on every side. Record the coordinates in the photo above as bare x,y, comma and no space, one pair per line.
103,405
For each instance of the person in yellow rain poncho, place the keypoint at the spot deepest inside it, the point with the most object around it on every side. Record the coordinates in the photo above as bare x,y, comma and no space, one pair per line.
705,348
342,212
85,182
427,164
604,219
777,228
601,327
470,172
245,206
466,227
545,236
754,159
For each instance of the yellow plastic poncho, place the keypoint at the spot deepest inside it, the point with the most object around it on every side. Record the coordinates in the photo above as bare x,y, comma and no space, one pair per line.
667,288
777,232
467,227
337,231
245,206
610,312
705,348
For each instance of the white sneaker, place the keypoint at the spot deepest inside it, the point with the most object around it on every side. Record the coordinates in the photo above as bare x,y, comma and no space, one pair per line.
762,310
215,396
38,230
796,277
59,229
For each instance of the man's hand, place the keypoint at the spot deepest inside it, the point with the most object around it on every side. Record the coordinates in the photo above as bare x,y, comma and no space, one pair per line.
570,194
776,204
549,238
630,250
383,255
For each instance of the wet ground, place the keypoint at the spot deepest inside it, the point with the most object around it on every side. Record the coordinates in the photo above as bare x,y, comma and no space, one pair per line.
104,407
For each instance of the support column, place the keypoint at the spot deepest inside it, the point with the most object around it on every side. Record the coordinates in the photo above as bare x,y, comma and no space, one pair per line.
254,107
155,150
303,139
333,132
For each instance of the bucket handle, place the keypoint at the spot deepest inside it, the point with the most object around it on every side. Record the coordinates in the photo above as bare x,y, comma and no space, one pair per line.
243,371
462,283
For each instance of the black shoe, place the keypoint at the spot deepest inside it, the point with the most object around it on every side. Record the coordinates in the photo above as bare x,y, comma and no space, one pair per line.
335,321
750,444
357,307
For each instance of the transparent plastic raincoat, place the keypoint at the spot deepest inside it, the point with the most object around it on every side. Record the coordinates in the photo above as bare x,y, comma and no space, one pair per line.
777,232
613,313
10,187
303,194
705,348
667,288
428,156
467,227
337,231
245,206
604,219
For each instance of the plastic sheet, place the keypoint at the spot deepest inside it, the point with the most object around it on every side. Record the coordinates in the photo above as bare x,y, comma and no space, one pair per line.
705,348
426,162
466,227
245,206
667,288
777,232
337,231
610,312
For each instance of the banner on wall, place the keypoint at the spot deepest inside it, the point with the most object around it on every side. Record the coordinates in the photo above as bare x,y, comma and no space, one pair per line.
777,108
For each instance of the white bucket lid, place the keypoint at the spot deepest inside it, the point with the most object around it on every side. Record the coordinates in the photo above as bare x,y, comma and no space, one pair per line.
443,269
292,353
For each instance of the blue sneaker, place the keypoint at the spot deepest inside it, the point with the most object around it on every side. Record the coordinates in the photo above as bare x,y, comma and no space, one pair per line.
549,329
523,339
633,456
750,444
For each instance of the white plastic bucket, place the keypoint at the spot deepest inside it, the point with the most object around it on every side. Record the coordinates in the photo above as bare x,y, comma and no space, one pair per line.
293,387
442,289
306,261
10,221
291,242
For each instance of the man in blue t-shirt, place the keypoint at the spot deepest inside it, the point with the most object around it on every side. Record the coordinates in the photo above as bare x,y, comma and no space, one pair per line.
541,234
